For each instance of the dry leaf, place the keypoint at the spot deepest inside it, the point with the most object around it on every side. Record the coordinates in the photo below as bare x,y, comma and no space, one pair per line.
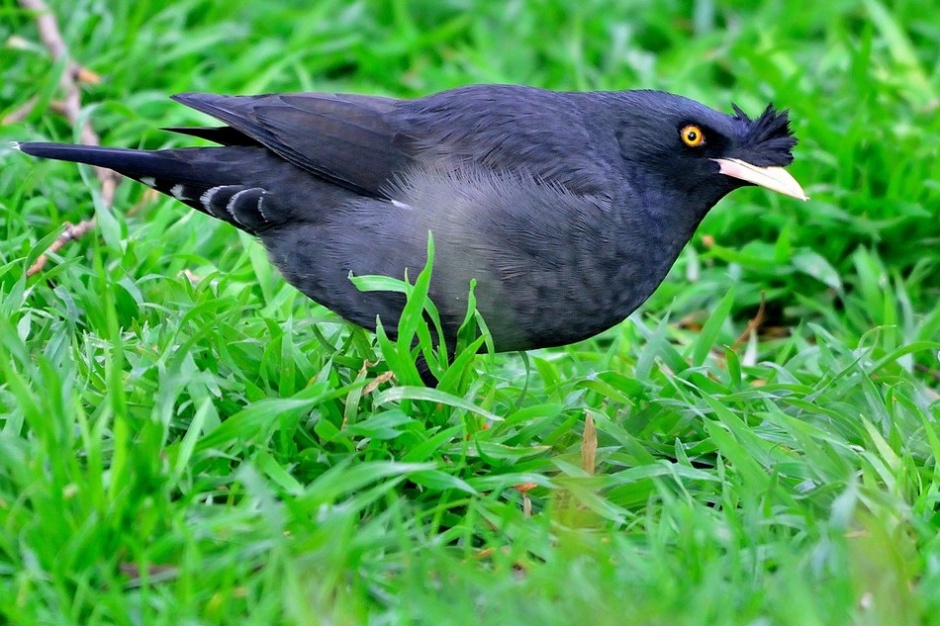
589,445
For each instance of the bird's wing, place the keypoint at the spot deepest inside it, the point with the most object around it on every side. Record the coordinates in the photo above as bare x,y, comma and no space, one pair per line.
349,140
368,144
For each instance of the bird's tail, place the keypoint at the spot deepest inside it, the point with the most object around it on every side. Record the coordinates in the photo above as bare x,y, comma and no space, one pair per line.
194,176
134,164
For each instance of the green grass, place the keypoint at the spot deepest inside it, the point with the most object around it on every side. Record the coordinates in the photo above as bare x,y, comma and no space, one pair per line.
215,452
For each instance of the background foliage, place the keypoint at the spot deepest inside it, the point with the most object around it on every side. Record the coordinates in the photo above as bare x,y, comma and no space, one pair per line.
185,440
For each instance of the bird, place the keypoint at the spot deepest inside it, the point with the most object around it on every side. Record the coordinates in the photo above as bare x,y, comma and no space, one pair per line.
566,209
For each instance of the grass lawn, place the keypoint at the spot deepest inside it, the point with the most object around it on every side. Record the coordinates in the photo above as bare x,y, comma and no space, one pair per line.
184,439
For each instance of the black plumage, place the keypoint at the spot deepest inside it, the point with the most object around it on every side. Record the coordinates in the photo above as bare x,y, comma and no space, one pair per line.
568,209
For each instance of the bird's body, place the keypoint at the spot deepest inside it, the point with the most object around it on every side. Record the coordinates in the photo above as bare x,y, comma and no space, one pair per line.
568,209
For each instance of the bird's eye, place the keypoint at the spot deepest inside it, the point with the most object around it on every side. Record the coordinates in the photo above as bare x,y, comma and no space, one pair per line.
692,136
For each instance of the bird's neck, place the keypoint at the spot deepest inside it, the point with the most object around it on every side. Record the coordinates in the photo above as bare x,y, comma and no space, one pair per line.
651,238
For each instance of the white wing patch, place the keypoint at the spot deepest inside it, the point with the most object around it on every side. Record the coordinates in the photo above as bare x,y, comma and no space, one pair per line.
206,199
261,210
230,207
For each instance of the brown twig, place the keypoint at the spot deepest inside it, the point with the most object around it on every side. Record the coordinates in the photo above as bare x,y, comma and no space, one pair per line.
753,325
21,113
52,39
930,372
71,233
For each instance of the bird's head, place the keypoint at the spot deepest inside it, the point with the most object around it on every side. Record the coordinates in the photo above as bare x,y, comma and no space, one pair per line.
704,154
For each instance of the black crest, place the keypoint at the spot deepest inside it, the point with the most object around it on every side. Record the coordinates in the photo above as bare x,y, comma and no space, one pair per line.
768,136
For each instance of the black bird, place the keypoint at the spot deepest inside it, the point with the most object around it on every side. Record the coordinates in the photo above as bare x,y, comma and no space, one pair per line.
567,208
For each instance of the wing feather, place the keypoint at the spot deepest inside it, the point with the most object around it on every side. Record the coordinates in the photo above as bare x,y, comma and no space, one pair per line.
348,140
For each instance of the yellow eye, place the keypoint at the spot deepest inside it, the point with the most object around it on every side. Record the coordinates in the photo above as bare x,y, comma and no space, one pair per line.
692,136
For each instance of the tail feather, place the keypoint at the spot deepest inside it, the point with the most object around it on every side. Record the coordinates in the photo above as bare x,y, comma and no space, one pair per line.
225,135
131,163
210,186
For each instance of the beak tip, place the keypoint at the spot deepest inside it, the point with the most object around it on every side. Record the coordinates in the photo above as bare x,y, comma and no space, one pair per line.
773,178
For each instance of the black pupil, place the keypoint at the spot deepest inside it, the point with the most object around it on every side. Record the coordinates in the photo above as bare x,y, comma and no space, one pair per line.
692,135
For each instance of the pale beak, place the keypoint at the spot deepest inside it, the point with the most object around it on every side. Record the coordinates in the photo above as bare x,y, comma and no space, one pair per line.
773,178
